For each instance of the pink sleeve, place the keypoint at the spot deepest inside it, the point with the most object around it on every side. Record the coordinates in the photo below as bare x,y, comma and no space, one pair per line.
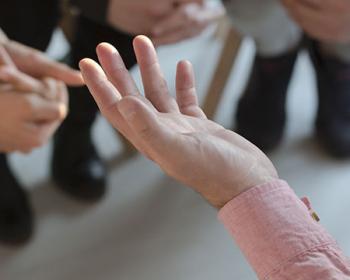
275,231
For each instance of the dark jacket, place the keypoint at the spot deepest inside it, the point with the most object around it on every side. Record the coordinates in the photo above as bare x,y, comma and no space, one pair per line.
32,22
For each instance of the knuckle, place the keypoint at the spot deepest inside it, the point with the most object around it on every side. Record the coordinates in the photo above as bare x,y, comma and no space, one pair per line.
34,55
27,105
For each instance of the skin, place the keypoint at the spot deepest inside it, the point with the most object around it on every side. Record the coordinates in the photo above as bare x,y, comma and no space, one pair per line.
174,133
186,21
166,21
30,109
325,20
36,64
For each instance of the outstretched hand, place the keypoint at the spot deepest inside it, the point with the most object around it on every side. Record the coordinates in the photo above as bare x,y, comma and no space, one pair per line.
175,133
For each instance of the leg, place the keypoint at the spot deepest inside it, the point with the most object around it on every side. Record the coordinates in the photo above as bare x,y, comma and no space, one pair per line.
16,217
76,166
261,111
26,26
267,23
332,64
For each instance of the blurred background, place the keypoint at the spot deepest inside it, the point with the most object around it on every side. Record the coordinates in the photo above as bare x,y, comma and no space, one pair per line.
149,227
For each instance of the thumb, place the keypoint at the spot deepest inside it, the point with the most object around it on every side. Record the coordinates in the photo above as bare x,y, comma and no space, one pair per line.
147,126
44,110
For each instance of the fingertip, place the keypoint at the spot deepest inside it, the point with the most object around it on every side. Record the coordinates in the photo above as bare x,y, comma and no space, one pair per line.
84,63
144,50
184,75
185,65
88,68
104,47
142,41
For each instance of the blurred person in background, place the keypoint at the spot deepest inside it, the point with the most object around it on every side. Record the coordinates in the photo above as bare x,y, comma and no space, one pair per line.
33,103
76,167
278,28
278,233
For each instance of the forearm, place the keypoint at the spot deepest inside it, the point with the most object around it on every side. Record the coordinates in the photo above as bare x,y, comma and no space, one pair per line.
275,231
95,10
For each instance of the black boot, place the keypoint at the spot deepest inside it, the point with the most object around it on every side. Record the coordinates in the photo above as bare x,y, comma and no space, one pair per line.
16,217
76,167
261,113
333,116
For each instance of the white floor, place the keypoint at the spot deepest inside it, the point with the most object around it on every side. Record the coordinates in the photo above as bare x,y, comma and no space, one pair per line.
150,227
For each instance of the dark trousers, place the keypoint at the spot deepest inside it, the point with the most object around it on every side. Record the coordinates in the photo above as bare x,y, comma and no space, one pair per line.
89,34
32,22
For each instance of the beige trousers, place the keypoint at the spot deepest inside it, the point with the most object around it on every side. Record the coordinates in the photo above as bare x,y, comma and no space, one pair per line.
274,32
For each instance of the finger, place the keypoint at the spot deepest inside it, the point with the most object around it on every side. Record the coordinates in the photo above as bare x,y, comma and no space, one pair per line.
156,89
5,59
43,110
36,134
104,93
115,69
314,4
173,22
62,95
327,5
148,130
51,92
107,98
6,87
186,92
20,81
305,15
37,64
188,17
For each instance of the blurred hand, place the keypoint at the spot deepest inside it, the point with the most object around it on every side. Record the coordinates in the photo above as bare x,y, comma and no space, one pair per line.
141,17
37,64
325,20
186,21
3,37
30,110
217,163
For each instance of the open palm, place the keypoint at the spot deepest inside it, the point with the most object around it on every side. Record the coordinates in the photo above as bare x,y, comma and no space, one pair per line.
175,133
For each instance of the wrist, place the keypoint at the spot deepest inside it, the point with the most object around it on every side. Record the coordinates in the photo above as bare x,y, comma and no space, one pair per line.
229,193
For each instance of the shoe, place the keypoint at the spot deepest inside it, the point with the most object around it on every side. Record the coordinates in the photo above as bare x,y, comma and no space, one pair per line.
76,166
333,115
261,112
16,217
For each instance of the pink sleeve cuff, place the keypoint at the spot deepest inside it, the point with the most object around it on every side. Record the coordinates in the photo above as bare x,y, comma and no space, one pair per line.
271,225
